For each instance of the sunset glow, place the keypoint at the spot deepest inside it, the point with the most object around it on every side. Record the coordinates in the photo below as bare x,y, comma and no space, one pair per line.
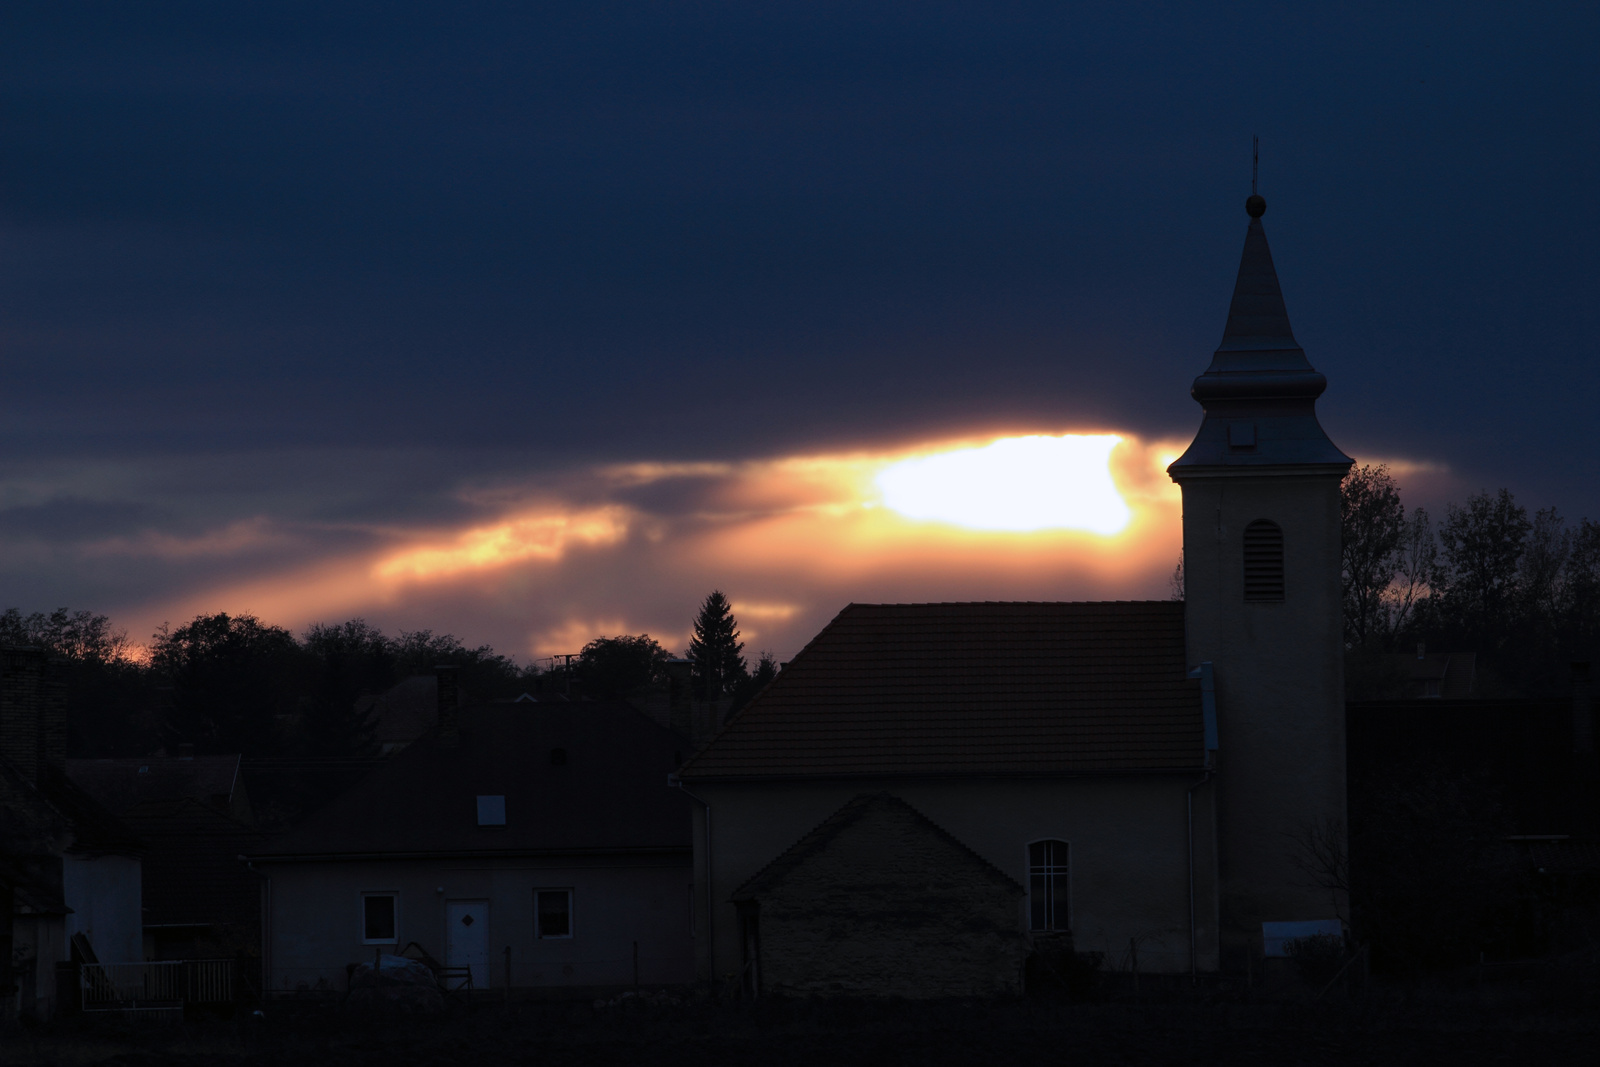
558,559
520,538
1017,484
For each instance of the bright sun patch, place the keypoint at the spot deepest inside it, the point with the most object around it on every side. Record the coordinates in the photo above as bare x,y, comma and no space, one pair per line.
1018,484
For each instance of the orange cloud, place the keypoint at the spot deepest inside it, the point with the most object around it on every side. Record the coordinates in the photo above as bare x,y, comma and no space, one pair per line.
630,548
543,537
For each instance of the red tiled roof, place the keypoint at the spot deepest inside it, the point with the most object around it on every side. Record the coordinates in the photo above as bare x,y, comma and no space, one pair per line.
964,689
121,784
608,792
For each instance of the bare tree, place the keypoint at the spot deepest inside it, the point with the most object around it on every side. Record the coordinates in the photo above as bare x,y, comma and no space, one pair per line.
1416,560
1321,854
1373,527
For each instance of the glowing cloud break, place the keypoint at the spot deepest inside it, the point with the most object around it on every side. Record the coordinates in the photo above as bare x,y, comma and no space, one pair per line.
1018,484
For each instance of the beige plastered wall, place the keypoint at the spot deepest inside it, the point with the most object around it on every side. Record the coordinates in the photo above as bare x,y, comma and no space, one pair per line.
1128,838
1279,671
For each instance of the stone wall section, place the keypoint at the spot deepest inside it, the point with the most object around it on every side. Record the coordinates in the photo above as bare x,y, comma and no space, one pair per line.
890,906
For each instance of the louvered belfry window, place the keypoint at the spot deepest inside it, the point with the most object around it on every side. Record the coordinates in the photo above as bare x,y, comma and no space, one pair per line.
1263,562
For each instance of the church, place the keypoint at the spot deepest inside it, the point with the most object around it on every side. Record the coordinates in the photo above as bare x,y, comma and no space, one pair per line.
929,793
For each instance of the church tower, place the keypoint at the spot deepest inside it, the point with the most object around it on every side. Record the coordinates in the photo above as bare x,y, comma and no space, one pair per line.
1261,529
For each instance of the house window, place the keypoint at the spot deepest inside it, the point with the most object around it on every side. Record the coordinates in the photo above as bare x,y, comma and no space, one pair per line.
491,811
552,913
1263,562
377,918
1047,886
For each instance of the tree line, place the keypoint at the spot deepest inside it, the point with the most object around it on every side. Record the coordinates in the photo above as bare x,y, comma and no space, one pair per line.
1520,590
231,683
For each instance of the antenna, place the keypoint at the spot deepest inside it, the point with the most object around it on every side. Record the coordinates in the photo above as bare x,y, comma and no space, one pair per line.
1255,161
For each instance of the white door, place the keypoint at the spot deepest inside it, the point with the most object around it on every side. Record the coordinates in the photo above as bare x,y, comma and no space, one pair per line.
466,925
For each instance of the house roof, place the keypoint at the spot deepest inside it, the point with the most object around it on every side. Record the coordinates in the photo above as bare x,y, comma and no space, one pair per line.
1448,675
121,784
192,873
94,829
972,689
51,816
405,711
608,793
773,874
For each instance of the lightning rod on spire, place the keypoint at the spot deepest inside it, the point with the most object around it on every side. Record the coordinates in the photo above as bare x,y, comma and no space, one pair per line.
1255,161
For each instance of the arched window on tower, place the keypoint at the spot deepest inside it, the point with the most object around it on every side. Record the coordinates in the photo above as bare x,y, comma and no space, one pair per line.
1263,562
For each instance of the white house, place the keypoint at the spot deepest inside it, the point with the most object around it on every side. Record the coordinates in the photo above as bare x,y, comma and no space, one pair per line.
532,844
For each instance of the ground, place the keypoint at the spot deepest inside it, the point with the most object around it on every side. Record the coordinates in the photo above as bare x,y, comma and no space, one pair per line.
1410,1026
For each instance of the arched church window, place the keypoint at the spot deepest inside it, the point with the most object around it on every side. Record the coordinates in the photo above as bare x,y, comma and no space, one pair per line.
1263,561
1048,886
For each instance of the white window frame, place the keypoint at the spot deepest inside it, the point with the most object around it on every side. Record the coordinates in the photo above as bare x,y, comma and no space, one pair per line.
361,918
1066,876
572,913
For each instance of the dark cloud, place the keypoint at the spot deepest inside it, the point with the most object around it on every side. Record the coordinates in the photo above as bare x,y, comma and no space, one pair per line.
340,266
72,519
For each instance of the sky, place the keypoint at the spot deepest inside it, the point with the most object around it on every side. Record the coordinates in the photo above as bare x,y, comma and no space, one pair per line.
536,322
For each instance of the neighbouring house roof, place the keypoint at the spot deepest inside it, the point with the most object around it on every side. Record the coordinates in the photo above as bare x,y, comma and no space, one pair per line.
121,784
44,820
403,712
862,807
972,689
192,871
94,829
588,777
1447,675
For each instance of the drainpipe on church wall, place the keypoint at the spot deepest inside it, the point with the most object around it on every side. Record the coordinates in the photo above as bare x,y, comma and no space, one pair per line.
1208,717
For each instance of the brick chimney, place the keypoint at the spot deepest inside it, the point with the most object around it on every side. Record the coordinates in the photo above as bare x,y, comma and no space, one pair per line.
680,682
449,707
53,723
22,713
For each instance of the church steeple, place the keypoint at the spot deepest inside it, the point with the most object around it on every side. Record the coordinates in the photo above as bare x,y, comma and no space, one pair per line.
1260,391
1261,566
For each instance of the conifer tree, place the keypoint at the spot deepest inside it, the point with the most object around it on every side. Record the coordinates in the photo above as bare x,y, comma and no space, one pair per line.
715,648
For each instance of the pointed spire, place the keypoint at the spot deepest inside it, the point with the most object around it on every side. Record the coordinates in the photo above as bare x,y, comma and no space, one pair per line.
1257,318
1260,391
1258,340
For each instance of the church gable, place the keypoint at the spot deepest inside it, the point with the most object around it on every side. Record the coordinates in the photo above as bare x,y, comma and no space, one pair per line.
879,900
973,689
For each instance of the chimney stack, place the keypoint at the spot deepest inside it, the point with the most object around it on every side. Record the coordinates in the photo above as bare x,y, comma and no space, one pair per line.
680,682
53,722
448,677
22,716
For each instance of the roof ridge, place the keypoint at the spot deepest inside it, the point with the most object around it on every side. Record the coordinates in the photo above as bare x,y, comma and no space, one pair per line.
754,700
974,603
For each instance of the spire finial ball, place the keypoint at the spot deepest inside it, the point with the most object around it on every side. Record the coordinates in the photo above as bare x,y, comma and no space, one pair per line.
1256,206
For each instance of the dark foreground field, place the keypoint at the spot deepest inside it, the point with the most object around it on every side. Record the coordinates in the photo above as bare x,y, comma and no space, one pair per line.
1393,1026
